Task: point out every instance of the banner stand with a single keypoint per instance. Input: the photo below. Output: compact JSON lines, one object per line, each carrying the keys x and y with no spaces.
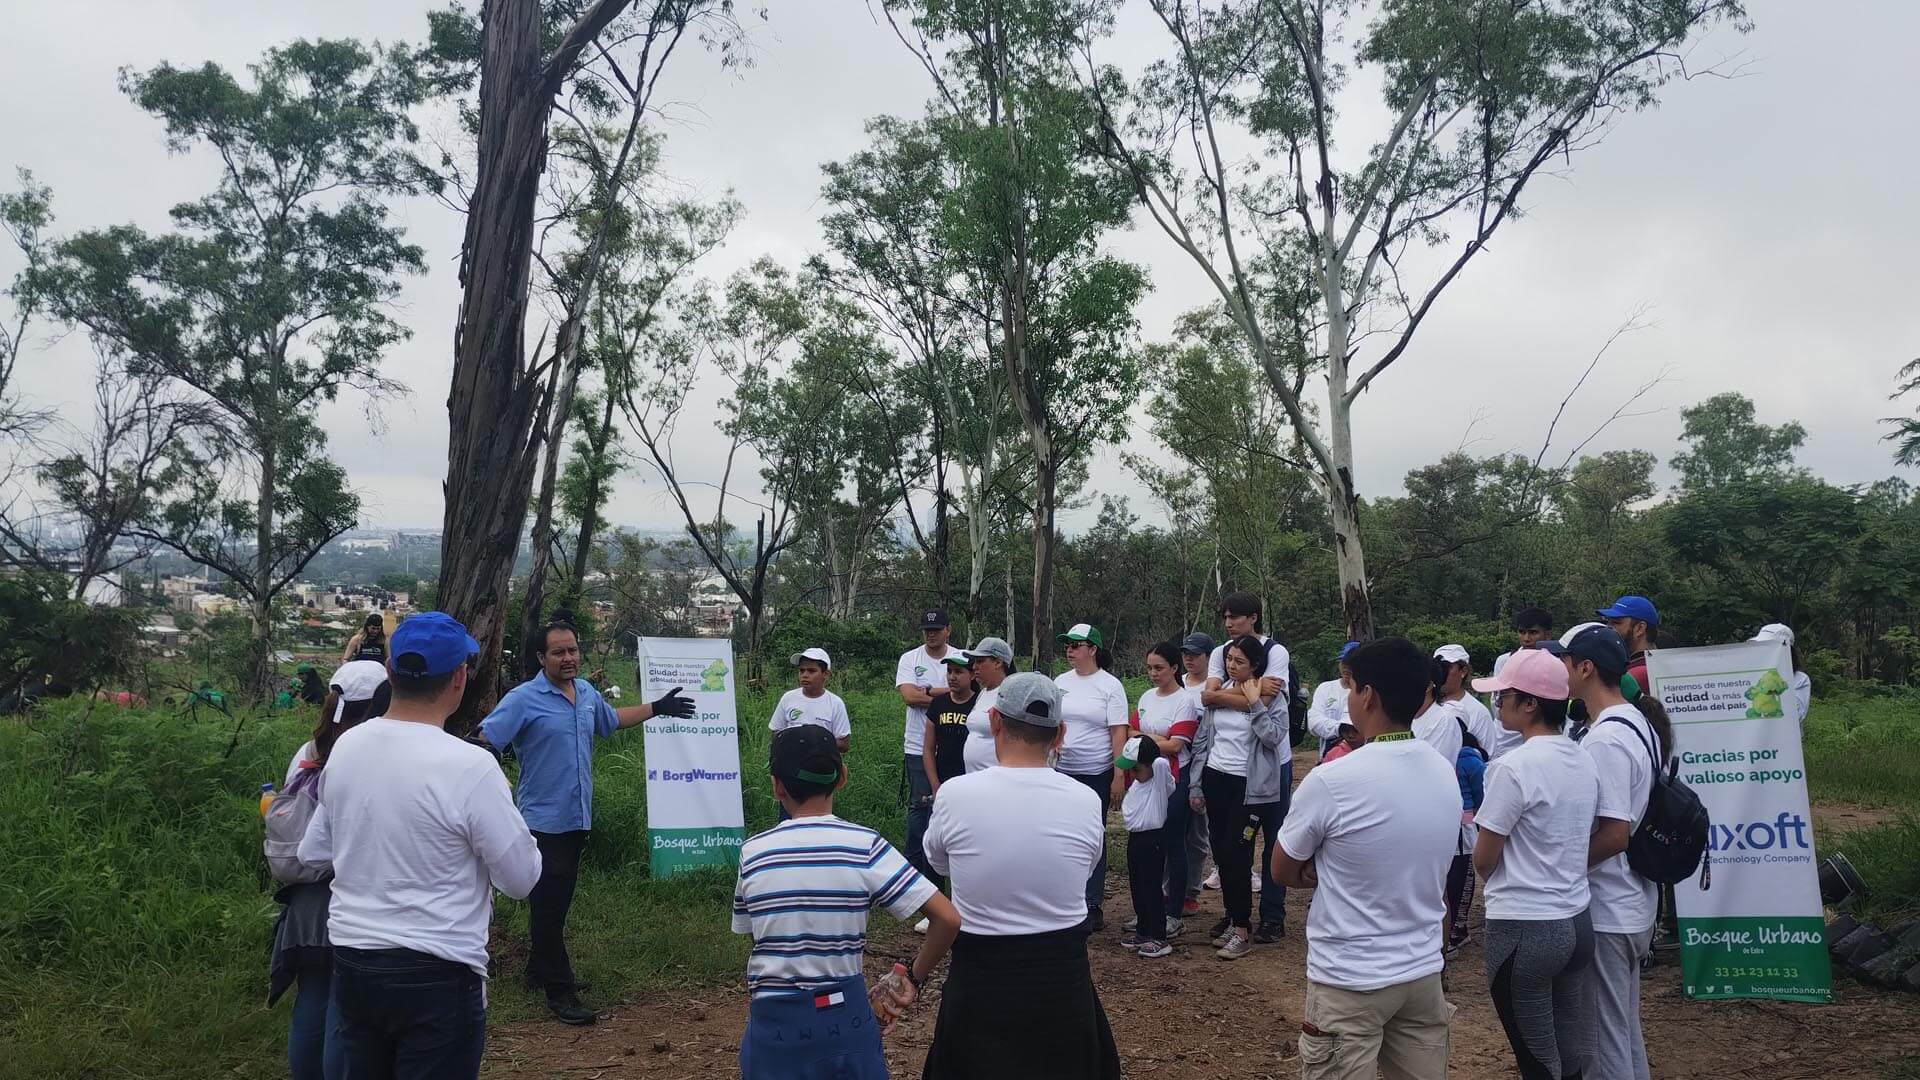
{"x":1760,"y":930}
{"x":695,"y":818}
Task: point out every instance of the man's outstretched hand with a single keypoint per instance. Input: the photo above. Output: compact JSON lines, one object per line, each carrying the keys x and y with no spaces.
{"x":674,"y":705}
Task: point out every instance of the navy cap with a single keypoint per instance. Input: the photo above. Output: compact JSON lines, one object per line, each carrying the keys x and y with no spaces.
{"x":430,"y":644}
{"x":1602,"y":646}
{"x":1198,"y":644}
{"x":1347,"y":649}
{"x":1550,"y":646}
{"x":934,"y":619}
{"x":1632,"y":607}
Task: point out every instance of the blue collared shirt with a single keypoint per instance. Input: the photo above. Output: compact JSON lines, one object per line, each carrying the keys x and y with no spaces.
{"x":553,"y":738}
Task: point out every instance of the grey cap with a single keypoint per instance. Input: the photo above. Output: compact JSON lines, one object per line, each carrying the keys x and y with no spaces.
{"x":991,"y":646}
{"x":1030,"y":697}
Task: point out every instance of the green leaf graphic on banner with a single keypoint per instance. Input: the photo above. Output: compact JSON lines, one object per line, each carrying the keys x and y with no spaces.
{"x":1765,"y":695}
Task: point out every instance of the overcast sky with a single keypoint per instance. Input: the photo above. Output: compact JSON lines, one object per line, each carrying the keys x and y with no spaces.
{"x":1765,"y":223}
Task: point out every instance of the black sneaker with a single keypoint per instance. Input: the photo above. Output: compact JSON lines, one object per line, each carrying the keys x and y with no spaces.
{"x":566,"y":1008}
{"x":1269,"y":932}
{"x":1096,"y":921}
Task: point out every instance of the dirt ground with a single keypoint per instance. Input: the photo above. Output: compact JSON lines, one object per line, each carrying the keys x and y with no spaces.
{"x":1169,"y":1023}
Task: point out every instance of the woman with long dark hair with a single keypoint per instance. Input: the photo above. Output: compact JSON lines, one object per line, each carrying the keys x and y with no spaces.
{"x":370,"y":643}
{"x":1093,"y":708}
{"x":1168,"y":714}
{"x":1241,"y":754}
{"x":302,"y":954}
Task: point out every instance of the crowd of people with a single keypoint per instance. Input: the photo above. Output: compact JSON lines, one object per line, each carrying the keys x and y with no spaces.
{"x":390,"y":839}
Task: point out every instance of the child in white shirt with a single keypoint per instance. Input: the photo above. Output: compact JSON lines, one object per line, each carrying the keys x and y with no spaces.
{"x":1144,"y":808}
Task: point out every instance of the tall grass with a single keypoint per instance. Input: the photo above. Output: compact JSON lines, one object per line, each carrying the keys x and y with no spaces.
{"x":1864,"y":748}
{"x":135,"y":908}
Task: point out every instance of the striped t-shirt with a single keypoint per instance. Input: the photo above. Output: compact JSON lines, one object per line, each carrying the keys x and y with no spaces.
{"x":805,"y":888}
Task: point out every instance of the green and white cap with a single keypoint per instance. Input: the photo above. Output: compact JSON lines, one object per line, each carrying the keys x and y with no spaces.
{"x":1082,"y":632}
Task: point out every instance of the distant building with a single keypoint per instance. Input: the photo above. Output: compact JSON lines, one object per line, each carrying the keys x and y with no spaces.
{"x":711,"y":605}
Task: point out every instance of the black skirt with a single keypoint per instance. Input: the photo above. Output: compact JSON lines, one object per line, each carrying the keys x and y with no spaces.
{"x":1021,"y":1007}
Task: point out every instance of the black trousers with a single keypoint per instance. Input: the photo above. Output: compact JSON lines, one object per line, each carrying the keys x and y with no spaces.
{"x":552,"y":897}
{"x":1102,"y":785}
{"x":1146,"y":869}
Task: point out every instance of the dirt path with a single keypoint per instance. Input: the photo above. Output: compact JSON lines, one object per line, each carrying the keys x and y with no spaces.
{"x":1178,"y":1017}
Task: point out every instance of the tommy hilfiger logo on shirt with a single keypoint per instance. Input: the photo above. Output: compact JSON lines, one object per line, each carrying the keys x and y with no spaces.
{"x":829,"y":1001}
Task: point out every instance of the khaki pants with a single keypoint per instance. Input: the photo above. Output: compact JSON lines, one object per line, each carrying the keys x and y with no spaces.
{"x":1396,"y":1032}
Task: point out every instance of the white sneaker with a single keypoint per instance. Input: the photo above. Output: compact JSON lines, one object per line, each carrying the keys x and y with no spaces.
{"x":1213,"y":880}
{"x":921,"y":926}
{"x":1152,"y":950}
{"x":1236,"y":946}
{"x":1256,"y":881}
{"x":1174,"y":926}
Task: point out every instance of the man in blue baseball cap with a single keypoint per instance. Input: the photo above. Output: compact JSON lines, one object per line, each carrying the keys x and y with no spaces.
{"x":551,"y":721}
{"x":1328,"y":713}
{"x":419,"y":829}
{"x":1635,"y":619}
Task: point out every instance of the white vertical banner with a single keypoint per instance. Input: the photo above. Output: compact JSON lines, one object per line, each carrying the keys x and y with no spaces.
{"x":694,"y":814}
{"x":1759,"y":931}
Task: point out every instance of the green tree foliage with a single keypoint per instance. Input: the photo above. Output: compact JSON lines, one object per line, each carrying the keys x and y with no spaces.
{"x":1251,"y":148}
{"x":269,"y":297}
{"x":1726,"y":445}
{"x":52,"y":644}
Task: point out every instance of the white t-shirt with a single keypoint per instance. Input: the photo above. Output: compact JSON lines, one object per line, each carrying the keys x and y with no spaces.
{"x":1622,"y":901}
{"x":1380,"y":825}
{"x":1799,"y":697}
{"x":1171,"y":716}
{"x":1277,"y":661}
{"x":926,"y":672}
{"x":979,"y":752}
{"x":1090,"y":707}
{"x":1508,"y":739}
{"x":1144,"y":807}
{"x":1481,"y":723}
{"x":804,"y":890}
{"x":1232,"y":740}
{"x":1019,"y":845}
{"x":826,"y":711}
{"x":420,"y":828}
{"x":1328,"y":711}
{"x":1541,"y":797}
{"x":1439,"y":727}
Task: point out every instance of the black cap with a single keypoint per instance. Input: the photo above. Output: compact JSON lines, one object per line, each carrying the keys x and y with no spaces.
{"x":805,"y":752}
{"x":1550,"y":646}
{"x":934,"y":619}
{"x":1602,"y":646}
{"x":1197,"y":644}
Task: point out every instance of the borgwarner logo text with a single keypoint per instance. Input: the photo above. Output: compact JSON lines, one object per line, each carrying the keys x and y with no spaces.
{"x":1783,"y":839}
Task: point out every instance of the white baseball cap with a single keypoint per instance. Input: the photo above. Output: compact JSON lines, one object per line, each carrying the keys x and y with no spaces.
{"x":1776,"y":631}
{"x":1452,"y":654}
{"x":356,"y":680}
{"x":816,"y":654}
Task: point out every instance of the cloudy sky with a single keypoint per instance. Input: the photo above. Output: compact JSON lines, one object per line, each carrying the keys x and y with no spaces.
{"x":1765,"y":225}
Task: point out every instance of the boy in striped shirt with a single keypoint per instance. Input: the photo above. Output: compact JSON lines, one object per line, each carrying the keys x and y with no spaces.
{"x":805,"y":888}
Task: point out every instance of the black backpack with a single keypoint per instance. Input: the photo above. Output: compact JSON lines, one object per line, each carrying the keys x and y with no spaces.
{"x":1671,"y":842}
{"x":1299,"y":701}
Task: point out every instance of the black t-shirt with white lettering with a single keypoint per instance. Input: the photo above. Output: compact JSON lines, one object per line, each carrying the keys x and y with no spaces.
{"x":949,"y":721}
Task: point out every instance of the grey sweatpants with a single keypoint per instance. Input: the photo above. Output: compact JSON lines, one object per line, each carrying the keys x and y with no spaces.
{"x":1537,"y":972}
{"x":1620,"y":1050}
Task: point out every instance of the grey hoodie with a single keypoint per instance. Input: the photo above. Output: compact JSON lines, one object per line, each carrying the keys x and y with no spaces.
{"x":1268,"y":755}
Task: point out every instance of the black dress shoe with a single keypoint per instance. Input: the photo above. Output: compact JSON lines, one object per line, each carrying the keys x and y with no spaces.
{"x":566,"y":1008}
{"x":1269,"y":932}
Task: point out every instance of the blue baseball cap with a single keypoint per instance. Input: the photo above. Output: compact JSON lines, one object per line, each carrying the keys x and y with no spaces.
{"x":1347,"y":649}
{"x":430,"y":644}
{"x":1198,"y":644}
{"x":1632,"y":607}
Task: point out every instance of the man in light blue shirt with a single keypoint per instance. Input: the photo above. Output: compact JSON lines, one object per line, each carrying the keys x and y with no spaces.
{"x":550,"y":721}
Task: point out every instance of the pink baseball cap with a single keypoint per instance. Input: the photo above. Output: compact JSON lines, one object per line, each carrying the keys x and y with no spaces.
{"x":1530,"y":671}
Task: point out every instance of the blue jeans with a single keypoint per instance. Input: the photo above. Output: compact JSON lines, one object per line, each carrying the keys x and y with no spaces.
{"x":313,"y":1038}
{"x":1273,"y":895}
{"x":405,"y":1015}
{"x":919,"y":812}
